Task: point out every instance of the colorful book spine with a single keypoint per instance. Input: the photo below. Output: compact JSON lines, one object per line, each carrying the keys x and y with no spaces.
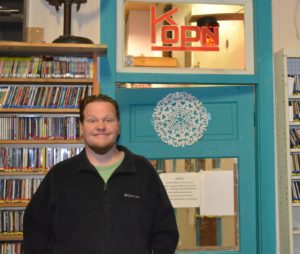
{"x":34,"y":159}
{"x":46,"y":67}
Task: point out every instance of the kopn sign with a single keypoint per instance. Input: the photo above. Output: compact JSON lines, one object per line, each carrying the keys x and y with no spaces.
{"x":203,"y":38}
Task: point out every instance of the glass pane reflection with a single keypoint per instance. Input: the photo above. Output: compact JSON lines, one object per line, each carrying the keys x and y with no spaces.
{"x":199,"y":232}
{"x":184,"y":35}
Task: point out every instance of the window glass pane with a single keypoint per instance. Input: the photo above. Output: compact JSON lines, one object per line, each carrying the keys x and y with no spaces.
{"x":193,"y":36}
{"x":206,"y":227}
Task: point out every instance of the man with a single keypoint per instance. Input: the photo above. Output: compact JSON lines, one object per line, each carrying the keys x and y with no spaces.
{"x":106,"y":200}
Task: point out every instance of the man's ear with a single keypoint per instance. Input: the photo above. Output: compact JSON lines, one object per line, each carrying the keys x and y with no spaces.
{"x":119,"y":132}
{"x":80,"y":130}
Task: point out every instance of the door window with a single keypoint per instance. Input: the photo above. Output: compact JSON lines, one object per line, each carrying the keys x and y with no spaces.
{"x":214,"y":224}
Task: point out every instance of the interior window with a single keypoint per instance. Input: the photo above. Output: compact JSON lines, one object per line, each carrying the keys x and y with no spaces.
{"x":188,"y":36}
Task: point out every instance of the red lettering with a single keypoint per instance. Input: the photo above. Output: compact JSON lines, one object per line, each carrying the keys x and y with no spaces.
{"x":175,"y":34}
{"x":185,"y":38}
{"x":164,"y":17}
{"x":208,"y":37}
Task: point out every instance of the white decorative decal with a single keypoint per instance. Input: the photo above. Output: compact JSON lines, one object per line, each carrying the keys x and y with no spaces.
{"x":180,"y":119}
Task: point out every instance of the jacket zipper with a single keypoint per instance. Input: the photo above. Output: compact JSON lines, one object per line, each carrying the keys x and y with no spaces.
{"x":105,"y":220}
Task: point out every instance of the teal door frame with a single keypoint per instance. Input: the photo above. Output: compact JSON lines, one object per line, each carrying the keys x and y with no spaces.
{"x":264,"y":117}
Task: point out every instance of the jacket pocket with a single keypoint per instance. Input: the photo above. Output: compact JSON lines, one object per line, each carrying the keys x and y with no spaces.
{"x":129,"y":228}
{"x":78,"y":229}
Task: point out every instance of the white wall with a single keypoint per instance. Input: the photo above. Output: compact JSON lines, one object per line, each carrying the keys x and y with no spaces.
{"x":139,"y":32}
{"x":286,"y":23}
{"x":85,"y":23}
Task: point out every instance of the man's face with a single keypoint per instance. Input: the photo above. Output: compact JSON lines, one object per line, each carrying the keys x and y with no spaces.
{"x":100,"y":128}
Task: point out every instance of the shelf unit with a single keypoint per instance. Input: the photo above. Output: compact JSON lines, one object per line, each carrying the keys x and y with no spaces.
{"x":287,"y":99}
{"x":20,"y":49}
{"x":12,"y":20}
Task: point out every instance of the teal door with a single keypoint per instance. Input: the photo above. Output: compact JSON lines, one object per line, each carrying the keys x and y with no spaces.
{"x":226,"y":142}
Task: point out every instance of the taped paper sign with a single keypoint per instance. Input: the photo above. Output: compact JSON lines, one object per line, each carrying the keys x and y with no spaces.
{"x":212,"y":191}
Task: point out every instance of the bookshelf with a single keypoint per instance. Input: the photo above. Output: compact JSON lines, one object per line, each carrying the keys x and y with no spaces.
{"x":287,"y":100}
{"x":38,"y":120}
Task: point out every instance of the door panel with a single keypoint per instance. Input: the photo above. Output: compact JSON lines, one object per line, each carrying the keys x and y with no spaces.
{"x":222,"y":126}
{"x":230,"y":134}
{"x":230,"y":109}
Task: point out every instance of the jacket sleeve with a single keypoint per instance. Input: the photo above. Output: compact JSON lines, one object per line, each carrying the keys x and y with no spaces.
{"x":164,"y":233}
{"x":36,"y":221}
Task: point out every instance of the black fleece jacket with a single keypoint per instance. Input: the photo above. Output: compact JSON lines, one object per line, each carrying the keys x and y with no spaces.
{"x":75,"y":212}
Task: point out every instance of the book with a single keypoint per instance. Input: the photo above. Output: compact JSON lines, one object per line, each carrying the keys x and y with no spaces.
{"x":3,"y":95}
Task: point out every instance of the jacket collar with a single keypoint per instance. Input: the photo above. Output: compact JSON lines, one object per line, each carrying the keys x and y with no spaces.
{"x":127,"y":165}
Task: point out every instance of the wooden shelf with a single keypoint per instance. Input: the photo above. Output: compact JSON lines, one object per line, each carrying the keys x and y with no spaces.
{"x":13,"y":204}
{"x":143,"y":61}
{"x":295,"y":96}
{"x":295,"y":150}
{"x":219,"y":16}
{"x":68,"y":81}
{"x":11,"y":237}
{"x":294,"y":123}
{"x":42,"y":141}
{"x":8,"y":48}
{"x":23,"y":173}
{"x":40,"y":110}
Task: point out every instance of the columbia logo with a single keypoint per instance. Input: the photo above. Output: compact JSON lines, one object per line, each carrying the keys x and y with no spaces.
{"x":127,"y":195}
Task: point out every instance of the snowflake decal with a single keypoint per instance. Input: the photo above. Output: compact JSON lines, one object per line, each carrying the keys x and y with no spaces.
{"x":180,"y":119}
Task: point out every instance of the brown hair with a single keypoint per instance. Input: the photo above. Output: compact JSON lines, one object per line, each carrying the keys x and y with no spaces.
{"x":99,"y":97}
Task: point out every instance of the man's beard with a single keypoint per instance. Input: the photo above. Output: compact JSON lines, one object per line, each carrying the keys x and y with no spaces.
{"x":101,"y":150}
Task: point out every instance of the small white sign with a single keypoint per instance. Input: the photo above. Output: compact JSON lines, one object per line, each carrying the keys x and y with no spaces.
{"x":217,"y":190}
{"x":212,"y":191}
{"x":183,"y":188}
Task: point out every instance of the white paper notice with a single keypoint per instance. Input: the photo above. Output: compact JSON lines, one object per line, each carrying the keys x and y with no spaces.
{"x":212,"y":191}
{"x":217,"y":193}
{"x":183,"y":188}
